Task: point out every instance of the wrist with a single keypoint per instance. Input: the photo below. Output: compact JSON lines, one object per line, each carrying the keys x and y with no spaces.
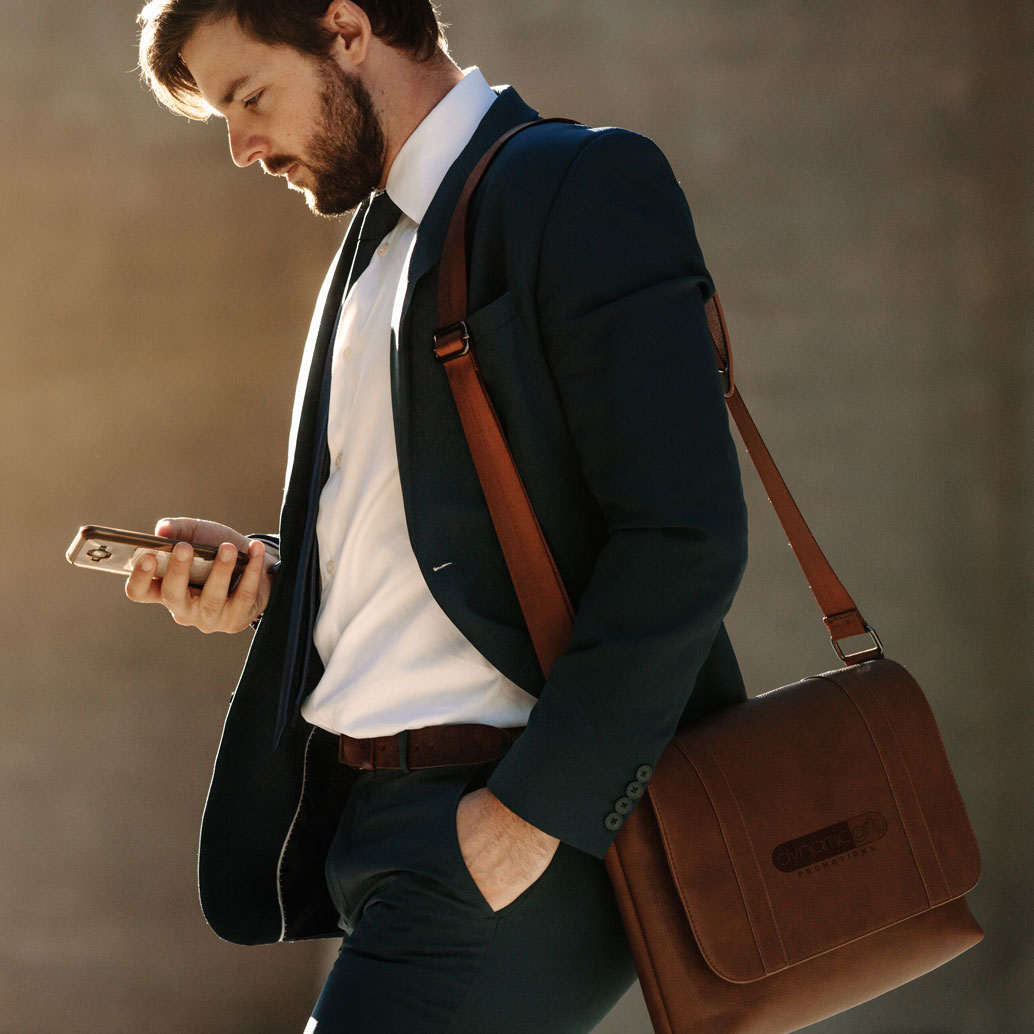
{"x":535,"y":839}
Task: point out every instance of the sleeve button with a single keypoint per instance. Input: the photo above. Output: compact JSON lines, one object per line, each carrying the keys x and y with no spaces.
{"x":643,"y":773}
{"x":634,"y":791}
{"x":614,"y":821}
{"x":622,"y":806}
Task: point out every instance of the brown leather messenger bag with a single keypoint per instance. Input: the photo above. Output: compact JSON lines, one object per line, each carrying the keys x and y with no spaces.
{"x":764,"y":883}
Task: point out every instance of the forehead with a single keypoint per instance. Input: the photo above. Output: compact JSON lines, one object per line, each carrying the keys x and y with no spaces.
{"x":223,"y":60}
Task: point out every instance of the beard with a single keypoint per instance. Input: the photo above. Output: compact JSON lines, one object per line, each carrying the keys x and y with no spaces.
{"x":347,"y":149}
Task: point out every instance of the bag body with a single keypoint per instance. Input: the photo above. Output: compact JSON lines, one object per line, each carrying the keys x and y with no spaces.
{"x":796,"y":855}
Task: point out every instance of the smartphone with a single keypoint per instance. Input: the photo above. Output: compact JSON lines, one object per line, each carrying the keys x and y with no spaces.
{"x":117,"y":551}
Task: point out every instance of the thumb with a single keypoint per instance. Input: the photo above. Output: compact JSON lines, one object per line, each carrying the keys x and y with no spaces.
{"x":182,"y":529}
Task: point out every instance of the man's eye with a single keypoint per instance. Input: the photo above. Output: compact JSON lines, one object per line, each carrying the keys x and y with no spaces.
{"x":252,"y":100}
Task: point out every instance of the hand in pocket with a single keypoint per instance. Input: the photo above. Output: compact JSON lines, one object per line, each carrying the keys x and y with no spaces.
{"x":504,"y":854}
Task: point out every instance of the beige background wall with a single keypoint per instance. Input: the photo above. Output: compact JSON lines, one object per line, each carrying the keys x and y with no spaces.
{"x":861,"y":180}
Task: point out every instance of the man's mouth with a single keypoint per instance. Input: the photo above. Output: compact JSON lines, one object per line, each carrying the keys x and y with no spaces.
{"x":282,"y":167}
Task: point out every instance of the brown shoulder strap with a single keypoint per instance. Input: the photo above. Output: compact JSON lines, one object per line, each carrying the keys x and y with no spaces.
{"x":536,"y":579}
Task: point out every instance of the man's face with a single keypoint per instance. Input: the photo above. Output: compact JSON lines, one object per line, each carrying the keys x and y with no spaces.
{"x":301,"y":116}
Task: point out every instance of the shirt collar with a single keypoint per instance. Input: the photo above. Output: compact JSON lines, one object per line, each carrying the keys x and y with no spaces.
{"x":433,"y":147}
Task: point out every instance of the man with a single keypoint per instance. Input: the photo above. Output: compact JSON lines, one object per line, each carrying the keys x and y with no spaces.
{"x":371,"y":778}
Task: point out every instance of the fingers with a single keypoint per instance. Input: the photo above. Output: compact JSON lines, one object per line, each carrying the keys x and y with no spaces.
{"x":213,"y":607}
{"x":178,"y":598}
{"x":218,"y":609}
{"x":172,"y":591}
{"x":252,"y":591}
{"x":216,"y":589}
{"x":141,"y":586}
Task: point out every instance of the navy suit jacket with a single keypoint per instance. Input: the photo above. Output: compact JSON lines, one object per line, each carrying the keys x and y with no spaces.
{"x":587,"y":291}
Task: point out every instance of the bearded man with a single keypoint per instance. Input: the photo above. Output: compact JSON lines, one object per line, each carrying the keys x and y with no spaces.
{"x":395,"y":768}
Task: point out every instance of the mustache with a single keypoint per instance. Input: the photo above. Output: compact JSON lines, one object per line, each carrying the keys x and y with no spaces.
{"x":278,"y":164}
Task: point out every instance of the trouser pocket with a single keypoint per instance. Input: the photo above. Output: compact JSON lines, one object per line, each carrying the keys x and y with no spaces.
{"x":397,"y":840}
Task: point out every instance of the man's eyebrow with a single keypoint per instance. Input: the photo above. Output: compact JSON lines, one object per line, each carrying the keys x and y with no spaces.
{"x":231,"y":90}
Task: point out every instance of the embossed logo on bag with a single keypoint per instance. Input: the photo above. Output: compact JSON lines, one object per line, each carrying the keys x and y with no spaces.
{"x":854,"y":834}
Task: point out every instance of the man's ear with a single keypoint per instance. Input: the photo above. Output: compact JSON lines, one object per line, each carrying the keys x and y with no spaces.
{"x":351,"y":27}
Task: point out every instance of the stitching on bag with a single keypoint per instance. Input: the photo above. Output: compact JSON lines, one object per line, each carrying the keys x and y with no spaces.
{"x":922,"y":814}
{"x":832,"y":678}
{"x":682,"y":890}
{"x":874,"y":700}
{"x":877,"y":927}
{"x":754,"y":856}
{"x":952,"y":785}
{"x":905,"y":825}
{"x":678,"y":883}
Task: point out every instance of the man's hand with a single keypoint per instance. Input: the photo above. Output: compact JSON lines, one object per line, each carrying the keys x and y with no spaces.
{"x":505,"y":854}
{"x":212,"y":608}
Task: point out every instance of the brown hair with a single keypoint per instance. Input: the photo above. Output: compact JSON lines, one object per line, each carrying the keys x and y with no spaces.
{"x":166,"y":25}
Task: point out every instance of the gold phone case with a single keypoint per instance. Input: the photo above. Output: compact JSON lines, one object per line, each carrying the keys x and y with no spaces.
{"x":116,"y":551}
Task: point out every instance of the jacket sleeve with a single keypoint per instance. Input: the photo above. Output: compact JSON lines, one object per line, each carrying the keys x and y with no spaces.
{"x":621,"y":292}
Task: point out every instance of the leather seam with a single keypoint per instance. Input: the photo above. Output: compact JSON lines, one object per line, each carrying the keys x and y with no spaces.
{"x":670,"y":853}
{"x":754,"y":855}
{"x":915,"y":794}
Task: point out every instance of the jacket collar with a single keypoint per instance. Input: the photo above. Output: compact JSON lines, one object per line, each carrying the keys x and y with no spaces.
{"x":508,"y":111}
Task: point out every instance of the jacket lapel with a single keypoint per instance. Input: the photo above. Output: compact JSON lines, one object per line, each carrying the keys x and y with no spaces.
{"x":302,"y":445}
{"x":507,"y":111}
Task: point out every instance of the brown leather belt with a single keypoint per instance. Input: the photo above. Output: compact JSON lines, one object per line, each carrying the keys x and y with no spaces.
{"x":437,"y":746}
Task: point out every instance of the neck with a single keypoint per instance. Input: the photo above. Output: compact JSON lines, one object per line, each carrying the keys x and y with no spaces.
{"x":408,"y":94}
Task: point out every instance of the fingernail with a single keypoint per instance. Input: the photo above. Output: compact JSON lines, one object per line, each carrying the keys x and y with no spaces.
{"x":148,"y":564}
{"x":227,"y":552}
{"x":255,"y":548}
{"x":182,"y":551}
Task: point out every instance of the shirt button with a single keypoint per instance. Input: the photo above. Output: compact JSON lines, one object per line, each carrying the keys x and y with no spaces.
{"x":382,"y":250}
{"x":347,"y":353}
{"x":330,"y":567}
{"x":622,"y":805}
{"x":613,"y":821}
{"x":337,"y":461}
{"x":643,"y":773}
{"x":634,"y":790}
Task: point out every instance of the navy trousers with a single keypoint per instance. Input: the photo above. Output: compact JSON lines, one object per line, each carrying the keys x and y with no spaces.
{"x":425,"y":954}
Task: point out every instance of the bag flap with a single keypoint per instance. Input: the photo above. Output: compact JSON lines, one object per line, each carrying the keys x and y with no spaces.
{"x":809,"y":817}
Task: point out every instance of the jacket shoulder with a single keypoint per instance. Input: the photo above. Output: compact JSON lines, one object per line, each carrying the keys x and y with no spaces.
{"x":556,"y":160}
{"x":556,"y":146}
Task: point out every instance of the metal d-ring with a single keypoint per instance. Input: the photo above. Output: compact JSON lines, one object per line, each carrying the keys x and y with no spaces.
{"x":872,"y":654}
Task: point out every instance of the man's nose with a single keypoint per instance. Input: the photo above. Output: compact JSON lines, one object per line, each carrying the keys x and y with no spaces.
{"x":245,"y":147}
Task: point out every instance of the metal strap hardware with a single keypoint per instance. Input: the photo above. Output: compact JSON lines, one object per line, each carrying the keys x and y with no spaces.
{"x":452,"y":342}
{"x":875,"y":652}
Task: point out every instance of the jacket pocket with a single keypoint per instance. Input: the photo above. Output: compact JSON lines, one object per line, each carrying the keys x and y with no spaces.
{"x":489,"y":318}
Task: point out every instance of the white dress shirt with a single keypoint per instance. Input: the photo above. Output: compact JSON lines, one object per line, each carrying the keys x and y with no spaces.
{"x":392,"y":658}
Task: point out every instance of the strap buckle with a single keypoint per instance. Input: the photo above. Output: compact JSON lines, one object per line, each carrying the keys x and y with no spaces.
{"x":451,"y":342}
{"x":873,"y":653}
